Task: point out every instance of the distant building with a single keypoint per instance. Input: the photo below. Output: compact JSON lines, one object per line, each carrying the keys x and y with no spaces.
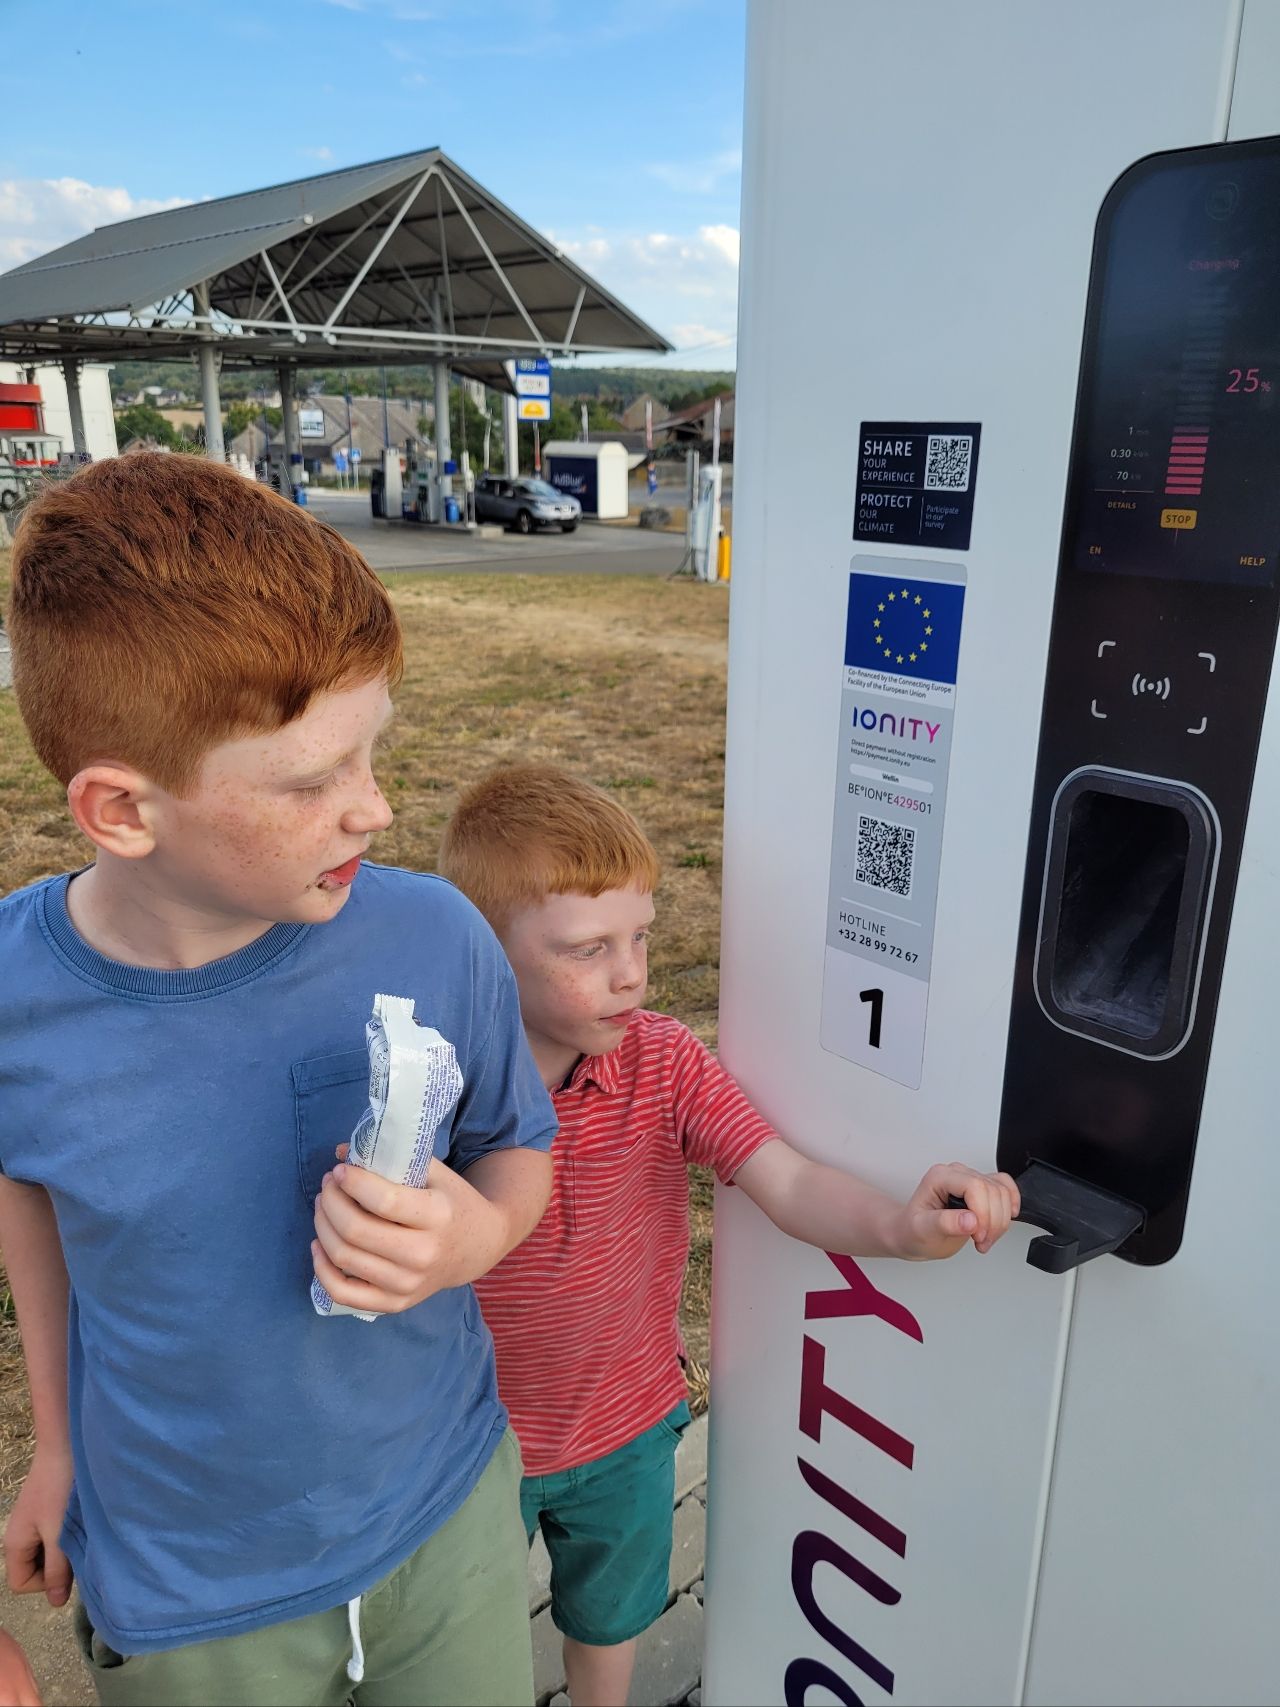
{"x":632,"y":416}
{"x":95,"y":402}
{"x":692,"y":428}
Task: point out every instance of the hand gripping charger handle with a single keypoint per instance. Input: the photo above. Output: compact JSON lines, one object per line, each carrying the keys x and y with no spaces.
{"x":1081,"y":1221}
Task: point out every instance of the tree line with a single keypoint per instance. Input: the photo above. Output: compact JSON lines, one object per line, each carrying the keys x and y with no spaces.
{"x":612,"y":387}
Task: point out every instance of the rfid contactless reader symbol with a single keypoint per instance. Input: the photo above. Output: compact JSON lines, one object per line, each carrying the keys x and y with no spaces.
{"x":1160,"y":686}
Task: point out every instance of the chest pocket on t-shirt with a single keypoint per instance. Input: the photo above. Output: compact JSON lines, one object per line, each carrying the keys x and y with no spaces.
{"x":604,"y":1179}
{"x":330,"y":1093}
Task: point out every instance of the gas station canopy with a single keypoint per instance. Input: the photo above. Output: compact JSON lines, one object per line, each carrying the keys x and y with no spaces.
{"x":404,"y":260}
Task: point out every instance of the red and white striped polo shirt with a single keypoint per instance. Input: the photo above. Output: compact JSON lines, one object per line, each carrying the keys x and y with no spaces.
{"x":584,"y":1312}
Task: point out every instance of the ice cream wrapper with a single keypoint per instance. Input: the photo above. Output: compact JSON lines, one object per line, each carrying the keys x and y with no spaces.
{"x":414,"y":1083}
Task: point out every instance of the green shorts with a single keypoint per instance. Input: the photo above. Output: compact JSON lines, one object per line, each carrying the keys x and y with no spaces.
{"x":607,"y":1526}
{"x":448,"y":1628}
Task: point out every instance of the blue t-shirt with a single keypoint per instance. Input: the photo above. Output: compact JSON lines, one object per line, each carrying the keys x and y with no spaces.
{"x":240,"y":1460}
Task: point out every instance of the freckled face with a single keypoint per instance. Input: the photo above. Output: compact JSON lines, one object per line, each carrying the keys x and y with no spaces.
{"x":582,"y":965}
{"x":277,"y":824}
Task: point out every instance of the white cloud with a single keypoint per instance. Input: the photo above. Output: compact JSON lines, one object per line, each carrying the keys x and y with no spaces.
{"x":724,"y":238}
{"x":401,"y":11}
{"x":697,"y":177}
{"x":322,"y":153}
{"x":39,"y":214}
{"x":588,"y":251}
{"x":685,"y":285}
{"x":691,"y":335}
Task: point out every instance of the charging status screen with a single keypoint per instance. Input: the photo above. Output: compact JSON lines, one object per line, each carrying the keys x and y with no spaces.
{"x":1178,"y":447}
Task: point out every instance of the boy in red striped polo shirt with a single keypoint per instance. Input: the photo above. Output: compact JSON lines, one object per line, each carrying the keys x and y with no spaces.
{"x":584,"y":1312}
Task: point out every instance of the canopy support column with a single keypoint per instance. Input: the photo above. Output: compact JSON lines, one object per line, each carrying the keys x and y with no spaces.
{"x":444,"y":449}
{"x":214,"y":448}
{"x":510,"y":439}
{"x":79,"y":439}
{"x":286,"y":374}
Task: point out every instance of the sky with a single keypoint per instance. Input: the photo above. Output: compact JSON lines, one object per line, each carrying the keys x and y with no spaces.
{"x":615,"y":128}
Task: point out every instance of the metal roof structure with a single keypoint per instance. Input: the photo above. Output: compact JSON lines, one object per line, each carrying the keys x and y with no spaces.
{"x":403,"y":260}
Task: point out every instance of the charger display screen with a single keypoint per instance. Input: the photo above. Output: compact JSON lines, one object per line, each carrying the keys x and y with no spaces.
{"x":1178,"y":440}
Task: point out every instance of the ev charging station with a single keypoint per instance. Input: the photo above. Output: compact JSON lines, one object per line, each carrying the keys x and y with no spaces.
{"x":1001,"y":832}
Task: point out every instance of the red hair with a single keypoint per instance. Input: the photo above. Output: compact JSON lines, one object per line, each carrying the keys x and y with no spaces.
{"x":528,"y":831}
{"x":162,"y":604}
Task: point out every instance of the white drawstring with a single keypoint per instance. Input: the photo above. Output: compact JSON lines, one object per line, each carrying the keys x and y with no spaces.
{"x":355,"y":1665}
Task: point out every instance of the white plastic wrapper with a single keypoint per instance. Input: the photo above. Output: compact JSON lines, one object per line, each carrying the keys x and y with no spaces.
{"x":414,"y":1082}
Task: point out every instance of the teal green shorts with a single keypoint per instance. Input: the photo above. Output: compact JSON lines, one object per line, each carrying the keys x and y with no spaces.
{"x":607,"y":1526}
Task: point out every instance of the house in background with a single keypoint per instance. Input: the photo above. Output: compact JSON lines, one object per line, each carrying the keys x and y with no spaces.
{"x":691,"y":428}
{"x":632,"y":416}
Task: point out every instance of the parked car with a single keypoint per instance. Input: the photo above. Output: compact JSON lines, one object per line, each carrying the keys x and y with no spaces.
{"x":525,"y":504}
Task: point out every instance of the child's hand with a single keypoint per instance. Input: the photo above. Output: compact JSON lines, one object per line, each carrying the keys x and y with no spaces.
{"x":34,"y":1562}
{"x":386,"y":1247}
{"x":18,"y":1688}
{"x":930,"y":1229}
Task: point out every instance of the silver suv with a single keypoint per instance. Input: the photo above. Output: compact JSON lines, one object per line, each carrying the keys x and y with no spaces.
{"x":525,"y":504}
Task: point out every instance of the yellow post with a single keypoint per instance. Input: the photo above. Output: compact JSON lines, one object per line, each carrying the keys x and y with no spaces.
{"x":722,"y":558}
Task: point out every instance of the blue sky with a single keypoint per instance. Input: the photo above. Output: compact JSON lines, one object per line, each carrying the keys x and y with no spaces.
{"x":619,"y":136}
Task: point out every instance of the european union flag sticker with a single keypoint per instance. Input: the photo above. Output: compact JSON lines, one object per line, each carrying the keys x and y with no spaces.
{"x":904,"y":626}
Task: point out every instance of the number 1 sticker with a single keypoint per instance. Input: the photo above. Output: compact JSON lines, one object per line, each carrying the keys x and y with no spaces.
{"x":882,"y":1027}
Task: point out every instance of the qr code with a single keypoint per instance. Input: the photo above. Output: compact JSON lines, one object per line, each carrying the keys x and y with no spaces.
{"x":947,"y":462}
{"x":885,"y":855}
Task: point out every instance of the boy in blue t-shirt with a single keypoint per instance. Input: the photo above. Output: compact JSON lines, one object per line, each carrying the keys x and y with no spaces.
{"x":261,"y":1505}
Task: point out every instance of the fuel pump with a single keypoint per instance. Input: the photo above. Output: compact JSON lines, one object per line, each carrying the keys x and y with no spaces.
{"x":422,"y":488}
{"x":392,"y":484}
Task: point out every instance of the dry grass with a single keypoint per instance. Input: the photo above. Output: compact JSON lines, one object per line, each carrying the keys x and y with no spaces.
{"x":622,"y":680}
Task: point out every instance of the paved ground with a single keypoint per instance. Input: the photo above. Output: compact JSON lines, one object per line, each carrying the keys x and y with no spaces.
{"x":668,"y":1668}
{"x":595,"y":548}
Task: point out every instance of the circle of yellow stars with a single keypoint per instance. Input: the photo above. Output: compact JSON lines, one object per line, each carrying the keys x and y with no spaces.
{"x":909,"y":603}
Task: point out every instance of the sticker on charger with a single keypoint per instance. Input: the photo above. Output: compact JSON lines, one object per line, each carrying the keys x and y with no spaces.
{"x":916,"y":483}
{"x":897,"y":705}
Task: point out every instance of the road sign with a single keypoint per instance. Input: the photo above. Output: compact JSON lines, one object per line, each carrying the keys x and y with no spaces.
{"x":340,"y":461}
{"x":355,"y":453}
{"x":533,"y":376}
{"x":311,"y":423}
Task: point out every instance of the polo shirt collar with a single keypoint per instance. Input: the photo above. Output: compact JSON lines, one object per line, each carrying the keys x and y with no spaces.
{"x":600,"y":1070}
